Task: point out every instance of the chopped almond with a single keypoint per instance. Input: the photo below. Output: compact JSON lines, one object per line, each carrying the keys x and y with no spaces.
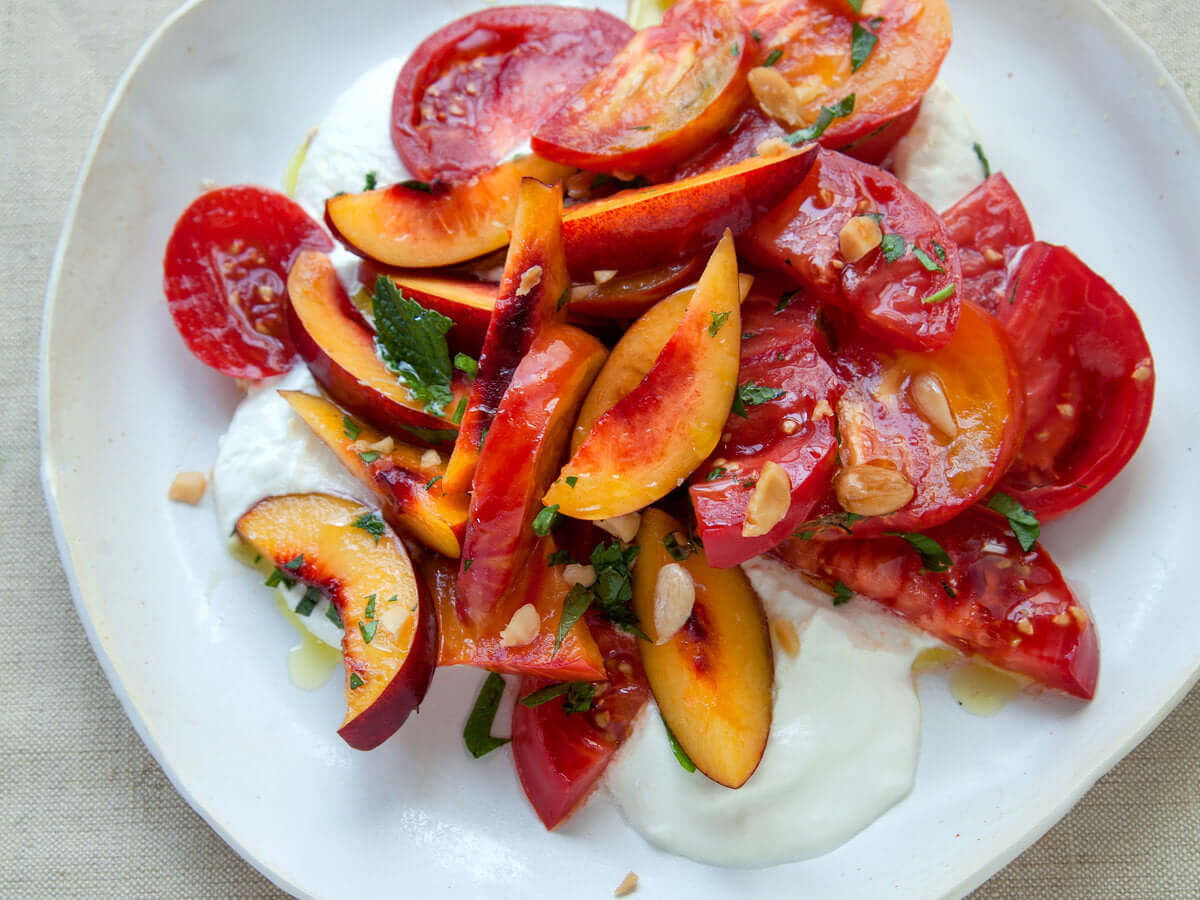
{"x":188,"y":487}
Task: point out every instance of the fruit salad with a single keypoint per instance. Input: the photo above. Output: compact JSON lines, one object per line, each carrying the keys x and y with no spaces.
{"x":699,"y":384}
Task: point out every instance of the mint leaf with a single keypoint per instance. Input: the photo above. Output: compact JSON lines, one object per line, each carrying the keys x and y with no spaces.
{"x":412,"y":343}
{"x":1024,"y":524}
{"x":371,"y":524}
{"x":862,"y":42}
{"x":773,"y":57}
{"x":312,"y":597}
{"x":466,"y":365}
{"x":434,"y":435}
{"x":545,"y":695}
{"x":613,"y":588}
{"x":681,"y":756}
{"x":841,"y":593}
{"x":825,"y":118}
{"x":350,"y":428}
{"x":893,"y":247}
{"x":925,"y":260}
{"x":355,"y":681}
{"x":575,"y":605}
{"x":751,"y":394}
{"x":933,"y":557}
{"x":718,"y":320}
{"x":544,"y":521}
{"x":983,"y":160}
{"x":580,"y":695}
{"x":370,"y":182}
{"x":477,"y":733}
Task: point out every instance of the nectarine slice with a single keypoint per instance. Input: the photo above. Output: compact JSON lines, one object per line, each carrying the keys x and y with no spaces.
{"x":712,"y":679}
{"x":436,"y":225}
{"x":340,"y":352}
{"x":524,"y":448}
{"x":533,"y":292}
{"x":389,"y":644}
{"x":405,"y":481}
{"x":651,"y":440}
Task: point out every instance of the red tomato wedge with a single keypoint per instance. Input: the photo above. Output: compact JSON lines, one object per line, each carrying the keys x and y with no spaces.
{"x":225,"y":277}
{"x":911,"y":300}
{"x":473,"y":91}
{"x":672,"y":89}
{"x":988,"y":224}
{"x":1089,"y":379}
{"x":559,"y":755}
{"x":780,"y":361}
{"x":1009,"y":606}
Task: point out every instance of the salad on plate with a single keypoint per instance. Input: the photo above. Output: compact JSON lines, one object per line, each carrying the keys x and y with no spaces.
{"x":702,"y":379}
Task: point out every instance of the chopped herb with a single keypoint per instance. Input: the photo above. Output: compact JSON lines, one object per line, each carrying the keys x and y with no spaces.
{"x":681,"y":756}
{"x":467,"y":563}
{"x":577,"y":601}
{"x":862,"y":42}
{"x":678,"y":551}
{"x":368,"y":630}
{"x":279,"y":577}
{"x":987,"y":166}
{"x":412,"y":343}
{"x":841,"y":521}
{"x":938,"y":250}
{"x":369,"y":612}
{"x":825,"y":118}
{"x":460,"y":411}
{"x":877,"y":216}
{"x":545,"y":695}
{"x":746,"y":335}
{"x":580,"y":695}
{"x":940,"y":296}
{"x":563,"y":298}
{"x":350,"y":428}
{"x":312,"y":597}
{"x":751,"y":394}
{"x":639,"y":128}
{"x":773,"y":57}
{"x":950,"y":592}
{"x":756,"y":34}
{"x":432,"y":481}
{"x":477,"y":733}
{"x":718,"y":320}
{"x":257,"y":558}
{"x":926,"y":261}
{"x":293,"y":565}
{"x":1012,"y":296}
{"x":933,"y":557}
{"x":571,"y":480}
{"x":876,"y":22}
{"x":483,"y":436}
{"x":370,"y":181}
{"x":369,"y":457}
{"x":613,"y":587}
{"x":1024,"y":524}
{"x":749,"y":482}
{"x":715,"y":474}
{"x":841,"y":593}
{"x":784,"y":299}
{"x":779,"y":356}
{"x":332,"y":614}
{"x":466,"y":365}
{"x":393,"y":598}
{"x":432,"y":435}
{"x":893,"y":247}
{"x":414,"y":185}
{"x":544,"y":521}
{"x":735,"y":50}
{"x":371,"y":524}
{"x":560,"y":558}
{"x":856,"y":5}
{"x":355,"y":681}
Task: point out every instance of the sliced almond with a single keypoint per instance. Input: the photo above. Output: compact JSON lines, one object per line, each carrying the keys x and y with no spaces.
{"x":770,"y":502}
{"x":674,"y":596}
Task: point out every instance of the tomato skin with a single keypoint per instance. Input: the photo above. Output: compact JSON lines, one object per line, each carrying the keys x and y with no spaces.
{"x":559,"y":756}
{"x":1089,"y":379}
{"x":474,"y":90}
{"x":225,"y":277}
{"x":1009,"y":606}
{"x":782,"y":354}
{"x":638,"y":115}
{"x":989,"y":224}
{"x":799,"y":238}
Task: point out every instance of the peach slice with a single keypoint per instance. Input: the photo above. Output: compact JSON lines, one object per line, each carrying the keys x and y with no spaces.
{"x":436,"y":225}
{"x":650,"y":226}
{"x":524,"y":448}
{"x":340,"y":352}
{"x":479,"y":643}
{"x":390,"y":642}
{"x":626,"y":295}
{"x":712,"y":679}
{"x":533,"y":292}
{"x":651,"y":440}
{"x":404,"y":481}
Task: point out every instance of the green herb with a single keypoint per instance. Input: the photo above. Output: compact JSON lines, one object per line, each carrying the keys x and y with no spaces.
{"x":613,"y":588}
{"x":544,"y":521}
{"x":412,"y":343}
{"x":933,"y":557}
{"x":559,"y":558}
{"x":350,"y":428}
{"x":779,"y":356}
{"x":756,"y":34}
{"x":862,"y":42}
{"x":311,"y":598}
{"x":369,"y":457}
{"x":941,"y":296}
{"x":563,"y":298}
{"x":575,"y":604}
{"x":773,"y":57}
{"x":279,"y":577}
{"x":571,"y":480}
{"x":355,"y":681}
{"x":370,"y":181}
{"x":1012,"y":296}
{"x":876,"y":22}
{"x":784,"y":299}
{"x":257,"y":558}
{"x":856,"y":5}
{"x":545,"y":695}
{"x":678,"y":551}
{"x":413,"y":185}
{"x":926,"y":261}
{"x":293,"y":565}
{"x":369,"y":612}
{"x":467,"y":563}
{"x":734,"y":50}
{"x":715,"y":474}
{"x":841,"y":593}
{"x":477,"y":733}
{"x":950,"y":592}
{"x":432,"y":435}
{"x":432,"y":481}
{"x":639,"y":128}
{"x":332,"y":614}
{"x":825,"y":118}
{"x":371,"y":524}
{"x":893,"y":247}
{"x":466,"y":365}
{"x":938,"y":250}
{"x":840,"y":520}
{"x":459,"y":411}
{"x":751,"y":394}
{"x":1024,"y":524}
{"x":368,"y":630}
{"x":681,"y":756}
{"x":483,"y":436}
{"x":987,"y":166}
{"x":580,"y":695}
{"x":718,"y":319}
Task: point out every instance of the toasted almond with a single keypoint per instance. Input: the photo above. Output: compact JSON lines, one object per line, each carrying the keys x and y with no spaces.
{"x":624,"y":528}
{"x":384,"y":445}
{"x":603,"y":276}
{"x":858,"y":237}
{"x":431,"y":459}
{"x":871,"y":490}
{"x":627,"y":886}
{"x":992,"y":256}
{"x":775,"y":96}
{"x":928,"y":395}
{"x":770,"y":502}
{"x":772,"y":147}
{"x":674,"y":596}
{"x":188,"y":487}
{"x":530,"y":279}
{"x":575,"y":574}
{"x":785,"y":636}
{"x":522,"y":628}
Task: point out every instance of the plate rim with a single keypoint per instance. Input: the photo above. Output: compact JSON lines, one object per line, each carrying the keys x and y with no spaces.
{"x":1117,"y":29}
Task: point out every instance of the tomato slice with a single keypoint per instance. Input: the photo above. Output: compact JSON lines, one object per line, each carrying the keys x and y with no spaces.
{"x":1089,"y":379}
{"x":559,"y":755}
{"x":672,"y":89}
{"x":1010,"y":606}
{"x":779,"y":353}
{"x":912,"y":300}
{"x":473,"y":91}
{"x":989,"y":224}
{"x":225,"y":277}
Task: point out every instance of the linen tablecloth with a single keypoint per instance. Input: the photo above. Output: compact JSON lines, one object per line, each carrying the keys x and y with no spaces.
{"x":84,"y":809}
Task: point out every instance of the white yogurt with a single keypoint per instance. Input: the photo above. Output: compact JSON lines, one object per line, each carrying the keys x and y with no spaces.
{"x":937,"y":157}
{"x":843,"y":746}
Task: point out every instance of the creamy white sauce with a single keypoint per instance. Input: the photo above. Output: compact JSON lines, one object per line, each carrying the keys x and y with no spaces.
{"x":937,"y":157}
{"x":843,"y":746}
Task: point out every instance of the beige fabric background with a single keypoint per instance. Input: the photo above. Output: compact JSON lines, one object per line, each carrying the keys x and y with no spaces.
{"x":84,"y":810}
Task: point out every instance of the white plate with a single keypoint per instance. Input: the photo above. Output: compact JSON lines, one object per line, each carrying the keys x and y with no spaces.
{"x":1095,"y":137}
